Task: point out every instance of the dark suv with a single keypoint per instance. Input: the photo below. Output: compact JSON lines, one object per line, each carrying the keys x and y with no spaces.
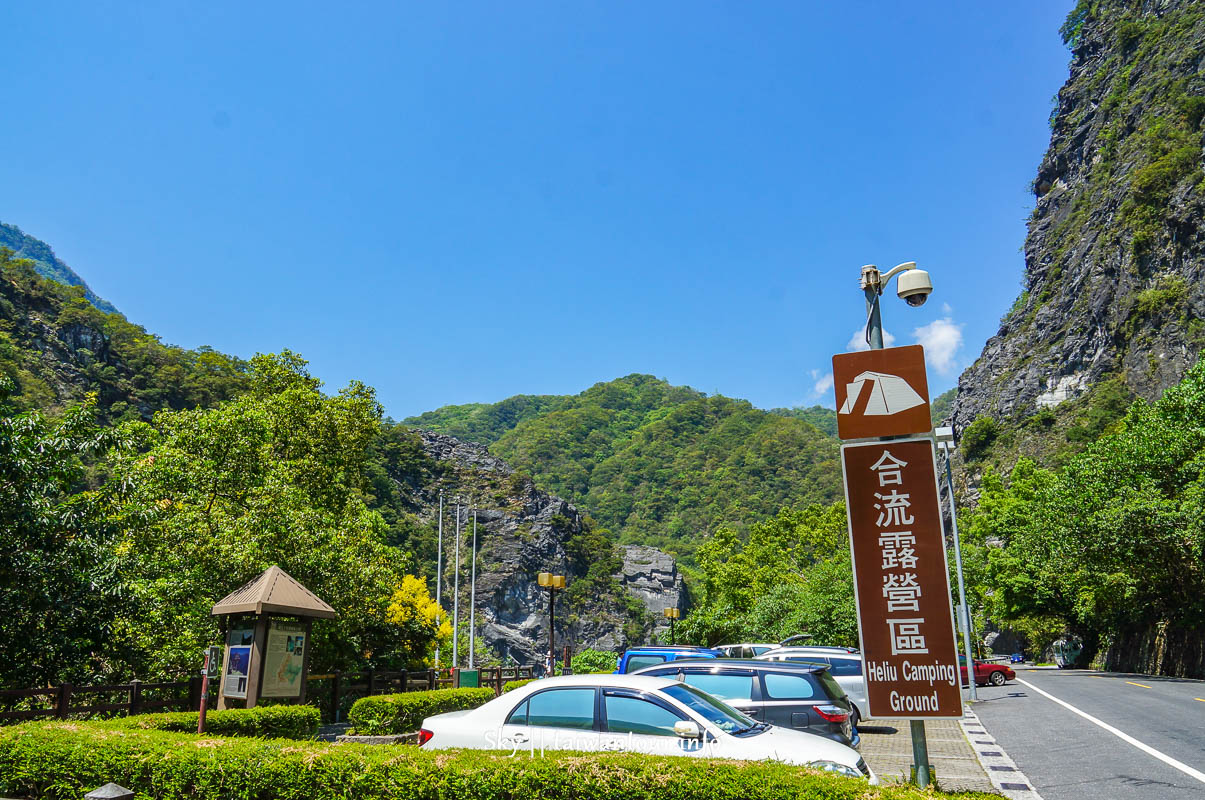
{"x":791,"y":695}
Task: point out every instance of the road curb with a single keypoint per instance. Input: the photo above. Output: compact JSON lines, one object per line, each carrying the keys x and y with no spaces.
{"x":1001,"y":770}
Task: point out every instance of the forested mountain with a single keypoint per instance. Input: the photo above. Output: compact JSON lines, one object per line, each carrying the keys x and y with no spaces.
{"x":56,"y":347}
{"x":657,"y":464}
{"x":1115,"y":254}
{"x":46,"y":263}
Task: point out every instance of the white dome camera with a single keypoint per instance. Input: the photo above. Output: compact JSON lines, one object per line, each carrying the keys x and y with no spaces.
{"x":914,"y":287}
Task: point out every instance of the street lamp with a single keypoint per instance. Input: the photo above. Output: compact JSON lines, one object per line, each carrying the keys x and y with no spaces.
{"x":551,"y":583}
{"x":672,"y":614}
{"x":913,"y":287}
{"x":945,"y":440}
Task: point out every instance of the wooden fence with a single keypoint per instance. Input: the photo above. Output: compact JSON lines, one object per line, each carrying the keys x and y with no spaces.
{"x":333,"y":693}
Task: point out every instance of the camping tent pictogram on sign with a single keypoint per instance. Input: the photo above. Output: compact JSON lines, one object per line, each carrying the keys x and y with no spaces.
{"x":888,"y":394}
{"x":881,"y":393}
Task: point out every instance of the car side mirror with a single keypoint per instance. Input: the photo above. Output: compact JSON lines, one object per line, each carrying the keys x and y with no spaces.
{"x":685,"y":729}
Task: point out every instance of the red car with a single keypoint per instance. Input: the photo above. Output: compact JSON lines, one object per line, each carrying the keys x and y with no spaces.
{"x":995,"y":674}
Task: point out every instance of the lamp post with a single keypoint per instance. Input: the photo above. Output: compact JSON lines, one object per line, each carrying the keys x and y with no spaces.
{"x":913,"y":287}
{"x":473,"y":597}
{"x":672,"y":614}
{"x":439,"y":561}
{"x":945,"y":440}
{"x":456,"y":596}
{"x":551,"y":583}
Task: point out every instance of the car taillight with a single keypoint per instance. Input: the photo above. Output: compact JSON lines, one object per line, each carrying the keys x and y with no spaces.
{"x":424,"y":736}
{"x":832,"y":713}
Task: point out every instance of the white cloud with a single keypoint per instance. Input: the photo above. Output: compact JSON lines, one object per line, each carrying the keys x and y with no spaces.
{"x":946,"y":309}
{"x":941,"y":340}
{"x":823,"y":382}
{"x":857,"y":342}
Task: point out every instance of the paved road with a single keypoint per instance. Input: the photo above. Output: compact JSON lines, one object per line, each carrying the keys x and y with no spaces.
{"x":1066,"y":757}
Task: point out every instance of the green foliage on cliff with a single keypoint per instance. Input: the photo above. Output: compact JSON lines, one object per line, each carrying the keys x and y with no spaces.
{"x":1115,"y":540}
{"x":664,"y":465}
{"x":485,"y":423}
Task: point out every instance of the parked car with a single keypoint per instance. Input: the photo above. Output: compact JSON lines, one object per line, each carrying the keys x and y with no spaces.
{"x":631,"y":713}
{"x":845,"y":664}
{"x":804,"y":697}
{"x":640,"y":657}
{"x":995,"y":674}
{"x":745,"y":650}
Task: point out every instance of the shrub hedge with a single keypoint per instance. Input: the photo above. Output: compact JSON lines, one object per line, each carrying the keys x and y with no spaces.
{"x":269,"y":722}
{"x":64,"y":760}
{"x":390,"y":714}
{"x":512,"y":685}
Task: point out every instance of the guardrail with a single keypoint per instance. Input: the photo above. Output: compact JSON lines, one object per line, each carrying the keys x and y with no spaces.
{"x":65,"y":700}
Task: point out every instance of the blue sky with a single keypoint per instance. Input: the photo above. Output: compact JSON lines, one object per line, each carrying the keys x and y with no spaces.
{"x":461,"y":203}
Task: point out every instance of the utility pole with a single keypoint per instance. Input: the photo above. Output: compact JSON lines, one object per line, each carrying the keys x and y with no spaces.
{"x":456,"y":596}
{"x":945,"y":440}
{"x":439,"y":562}
{"x":473,"y":596}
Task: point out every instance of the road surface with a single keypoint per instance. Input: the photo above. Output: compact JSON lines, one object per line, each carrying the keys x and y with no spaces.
{"x":1159,"y":754}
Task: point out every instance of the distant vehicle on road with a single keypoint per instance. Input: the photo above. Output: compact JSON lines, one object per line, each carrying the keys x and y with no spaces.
{"x":640,"y":657}
{"x":846,"y":668}
{"x":800,"y":696}
{"x":748,"y":650}
{"x":634,"y":714}
{"x":995,"y":674}
{"x":1017,"y":658}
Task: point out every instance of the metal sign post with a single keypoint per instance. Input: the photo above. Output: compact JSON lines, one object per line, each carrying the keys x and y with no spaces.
{"x":901,"y":581}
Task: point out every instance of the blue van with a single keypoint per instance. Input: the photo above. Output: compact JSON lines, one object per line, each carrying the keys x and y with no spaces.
{"x":641,"y":657}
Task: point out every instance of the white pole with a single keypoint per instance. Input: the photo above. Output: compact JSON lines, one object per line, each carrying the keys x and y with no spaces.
{"x":439,"y":562}
{"x":473,"y":595}
{"x":962,"y":595}
{"x":456,"y":597}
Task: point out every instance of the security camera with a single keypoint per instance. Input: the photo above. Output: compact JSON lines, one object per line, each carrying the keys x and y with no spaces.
{"x":914,"y":287}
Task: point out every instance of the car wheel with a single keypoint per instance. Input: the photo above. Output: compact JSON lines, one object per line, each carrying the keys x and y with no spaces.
{"x":854,"y":718}
{"x":998,"y":678}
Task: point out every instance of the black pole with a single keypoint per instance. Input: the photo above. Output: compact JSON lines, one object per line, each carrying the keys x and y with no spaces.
{"x":551,"y":643}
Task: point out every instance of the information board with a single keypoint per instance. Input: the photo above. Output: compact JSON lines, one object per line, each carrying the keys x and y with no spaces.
{"x":284,"y":659}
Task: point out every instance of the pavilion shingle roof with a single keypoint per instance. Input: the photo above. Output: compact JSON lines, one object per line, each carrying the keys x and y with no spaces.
{"x":277,"y":592}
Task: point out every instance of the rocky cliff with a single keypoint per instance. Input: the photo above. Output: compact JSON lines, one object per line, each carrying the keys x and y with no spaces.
{"x":1115,"y":254}
{"x":614,"y":598}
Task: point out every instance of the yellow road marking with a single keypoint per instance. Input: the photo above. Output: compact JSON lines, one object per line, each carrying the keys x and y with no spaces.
{"x":1143,"y":685}
{"x":1202,"y":699}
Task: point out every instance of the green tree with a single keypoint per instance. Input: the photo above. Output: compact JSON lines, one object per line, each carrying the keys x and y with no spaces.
{"x":215,"y":496}
{"x":56,"y":577}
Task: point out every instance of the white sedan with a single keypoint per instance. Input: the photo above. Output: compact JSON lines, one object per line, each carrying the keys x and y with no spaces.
{"x":631,"y":714}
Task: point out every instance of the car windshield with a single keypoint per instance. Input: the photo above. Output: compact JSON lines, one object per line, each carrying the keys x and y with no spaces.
{"x":723,"y":716}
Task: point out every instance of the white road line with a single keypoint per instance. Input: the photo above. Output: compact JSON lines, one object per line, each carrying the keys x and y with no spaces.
{"x":1125,"y":737}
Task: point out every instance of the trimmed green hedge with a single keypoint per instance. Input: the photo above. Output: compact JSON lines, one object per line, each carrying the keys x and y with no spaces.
{"x":390,"y":714}
{"x":64,"y":760}
{"x":512,"y":685}
{"x":269,"y":722}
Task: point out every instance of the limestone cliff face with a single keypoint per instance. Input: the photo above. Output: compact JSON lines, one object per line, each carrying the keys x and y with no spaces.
{"x":1115,"y":254}
{"x":521,"y":531}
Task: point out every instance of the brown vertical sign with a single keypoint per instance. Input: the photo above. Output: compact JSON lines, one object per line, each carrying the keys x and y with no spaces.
{"x":905,"y":618}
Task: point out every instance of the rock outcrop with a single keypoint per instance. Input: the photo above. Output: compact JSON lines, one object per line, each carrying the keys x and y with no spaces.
{"x":522,"y":531}
{"x":1115,"y":254}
